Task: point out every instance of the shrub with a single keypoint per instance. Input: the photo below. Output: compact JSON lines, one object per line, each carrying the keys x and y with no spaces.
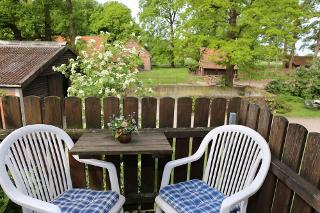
{"x":191,"y":64}
{"x":305,"y":82}
{"x":277,"y":86}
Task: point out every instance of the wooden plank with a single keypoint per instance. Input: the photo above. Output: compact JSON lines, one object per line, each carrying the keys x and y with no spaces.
{"x":73,"y":113}
{"x":1,"y":125}
{"x":293,"y":149}
{"x":303,"y":188}
{"x":93,"y":120}
{"x":52,"y":111}
{"x":130,"y":107}
{"x":244,"y":105}
{"x":201,"y":116}
{"x":276,"y":143}
{"x":264,"y":125}
{"x":252,"y":116}
{"x":184,"y":110}
{"x":234,"y":106}
{"x":166,"y":118}
{"x":11,"y":112}
{"x":309,"y":171}
{"x":111,"y":108}
{"x":218,"y":112}
{"x":148,"y":120}
{"x":32,"y":110}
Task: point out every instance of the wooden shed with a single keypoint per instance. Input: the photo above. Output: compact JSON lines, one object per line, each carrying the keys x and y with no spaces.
{"x":26,"y":68}
{"x":209,"y":63}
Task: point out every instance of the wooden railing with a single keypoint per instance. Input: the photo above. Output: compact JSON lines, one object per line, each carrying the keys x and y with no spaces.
{"x":291,"y":185}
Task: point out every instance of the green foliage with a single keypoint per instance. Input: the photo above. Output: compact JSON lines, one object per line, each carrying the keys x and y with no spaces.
{"x":305,"y":82}
{"x":116,"y":19}
{"x":123,"y":126}
{"x":191,"y":64}
{"x":2,"y":93}
{"x":109,"y":71}
{"x":277,"y":86}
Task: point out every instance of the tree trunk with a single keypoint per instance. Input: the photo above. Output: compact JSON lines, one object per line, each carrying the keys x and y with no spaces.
{"x":15,"y":30}
{"x":230,"y":75}
{"x":47,"y":21}
{"x":72,"y":25}
{"x":232,"y":35}
{"x":285,"y":54}
{"x":293,"y":48}
{"x":317,"y":47}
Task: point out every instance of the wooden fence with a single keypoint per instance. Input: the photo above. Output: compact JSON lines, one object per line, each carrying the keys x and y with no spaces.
{"x":291,"y":185}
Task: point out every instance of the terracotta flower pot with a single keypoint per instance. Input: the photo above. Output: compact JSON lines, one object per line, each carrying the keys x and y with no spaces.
{"x":124,"y":138}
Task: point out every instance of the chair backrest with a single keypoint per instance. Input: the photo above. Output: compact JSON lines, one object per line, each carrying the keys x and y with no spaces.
{"x":236,"y":156}
{"x":36,"y":158}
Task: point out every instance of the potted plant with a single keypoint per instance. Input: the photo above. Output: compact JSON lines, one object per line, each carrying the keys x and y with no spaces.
{"x":122,"y":128}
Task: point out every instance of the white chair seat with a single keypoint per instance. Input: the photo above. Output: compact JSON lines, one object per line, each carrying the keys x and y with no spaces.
{"x":86,"y":201}
{"x":193,"y":196}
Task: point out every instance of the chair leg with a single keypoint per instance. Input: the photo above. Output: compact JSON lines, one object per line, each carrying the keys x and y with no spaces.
{"x":158,"y":210}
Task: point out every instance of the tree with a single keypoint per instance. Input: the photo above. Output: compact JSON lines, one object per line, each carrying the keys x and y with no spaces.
{"x":244,"y":31}
{"x":114,"y":18}
{"x":161,"y":18}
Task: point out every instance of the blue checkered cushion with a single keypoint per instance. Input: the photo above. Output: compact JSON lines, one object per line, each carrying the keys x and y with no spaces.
{"x":86,"y":201}
{"x":193,"y":196}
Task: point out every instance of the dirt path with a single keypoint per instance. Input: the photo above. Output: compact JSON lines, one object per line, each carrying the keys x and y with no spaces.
{"x":312,"y":124}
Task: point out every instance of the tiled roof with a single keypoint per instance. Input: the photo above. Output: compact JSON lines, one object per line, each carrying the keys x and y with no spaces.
{"x":210,"y":59}
{"x":21,"y":61}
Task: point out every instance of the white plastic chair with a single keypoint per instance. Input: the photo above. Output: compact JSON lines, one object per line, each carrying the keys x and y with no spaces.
{"x":237,"y":165}
{"x":36,"y":157}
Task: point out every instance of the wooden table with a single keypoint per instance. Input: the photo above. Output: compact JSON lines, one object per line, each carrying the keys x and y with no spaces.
{"x":103,"y":143}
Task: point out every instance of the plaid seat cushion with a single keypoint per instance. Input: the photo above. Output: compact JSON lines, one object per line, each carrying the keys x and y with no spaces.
{"x":193,"y":196}
{"x":86,"y":201}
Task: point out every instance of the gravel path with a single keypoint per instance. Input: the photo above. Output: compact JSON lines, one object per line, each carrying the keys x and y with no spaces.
{"x":312,"y":124}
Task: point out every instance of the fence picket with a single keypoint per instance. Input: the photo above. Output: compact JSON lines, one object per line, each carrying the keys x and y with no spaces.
{"x":292,"y":153}
{"x":32,"y":110}
{"x":244,"y":105}
{"x":252,"y":116}
{"x":93,"y":121}
{"x":130,"y":107}
{"x":184,"y":110}
{"x":166,"y":117}
{"x":148,"y":120}
{"x":73,"y":113}
{"x":201,"y":116}
{"x":11,"y":112}
{"x":111,"y":107}
{"x":52,"y":111}
{"x":218,"y":112}
{"x":309,"y":170}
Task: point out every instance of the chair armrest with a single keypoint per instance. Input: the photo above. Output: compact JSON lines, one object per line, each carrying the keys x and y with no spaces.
{"x":107,"y":165}
{"x":172,"y":164}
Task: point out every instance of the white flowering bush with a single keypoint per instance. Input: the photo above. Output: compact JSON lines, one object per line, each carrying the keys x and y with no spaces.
{"x":110,"y":70}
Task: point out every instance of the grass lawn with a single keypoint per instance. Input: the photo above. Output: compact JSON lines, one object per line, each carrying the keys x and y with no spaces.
{"x":298,"y":108}
{"x":262,"y":71}
{"x":168,"y":76}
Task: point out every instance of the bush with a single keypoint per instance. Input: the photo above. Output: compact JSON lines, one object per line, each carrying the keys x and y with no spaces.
{"x":191,"y":64}
{"x":305,"y":82}
{"x":277,"y":86}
